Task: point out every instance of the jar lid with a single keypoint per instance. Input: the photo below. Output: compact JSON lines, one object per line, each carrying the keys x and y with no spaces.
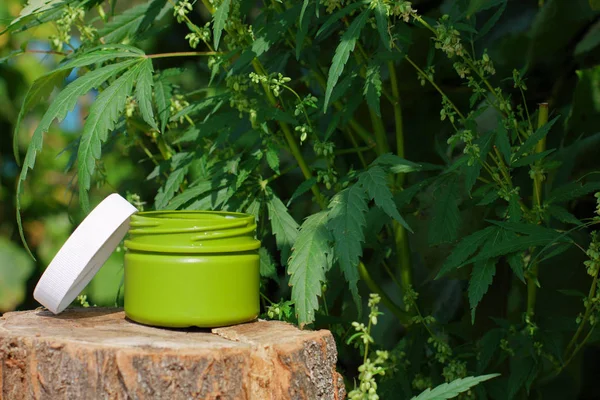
{"x":82,"y":255}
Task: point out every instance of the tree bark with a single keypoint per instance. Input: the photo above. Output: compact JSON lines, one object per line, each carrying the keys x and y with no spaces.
{"x":96,"y":353}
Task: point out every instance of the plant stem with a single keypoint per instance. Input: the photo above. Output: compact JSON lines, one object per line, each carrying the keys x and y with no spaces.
{"x":424,"y":75}
{"x":184,"y":54}
{"x":400,"y":236}
{"x":537,"y":202}
{"x":381,"y":145}
{"x":402,"y":316}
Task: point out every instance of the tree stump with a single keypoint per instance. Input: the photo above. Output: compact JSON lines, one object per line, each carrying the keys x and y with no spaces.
{"x":96,"y":353}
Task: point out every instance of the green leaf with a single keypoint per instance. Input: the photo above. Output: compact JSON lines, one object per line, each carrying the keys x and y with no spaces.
{"x":397,"y":165}
{"x":103,"y":115}
{"x":171,"y":186}
{"x":382,"y":23}
{"x":446,"y":216}
{"x":254,"y":209}
{"x":335,"y":17}
{"x":514,"y":208}
{"x":190,"y":193}
{"x":43,"y":86}
{"x":162,"y":94}
{"x":372,"y":90}
{"x":347,"y":211}
{"x":520,"y":370}
{"x":481,"y":279}
{"x":489,"y":343}
{"x":466,"y":248}
{"x":303,"y":188}
{"x":34,"y":7}
{"x":590,"y":41}
{"x":303,"y":23}
{"x":219,"y":18}
{"x":454,"y":388}
{"x":127,"y":26}
{"x":538,"y":135}
{"x":283,"y":226}
{"x":572,"y":191}
{"x":515,"y":261}
{"x":342,"y":53}
{"x":489,"y":24}
{"x":267,"y":266}
{"x":375,"y":182}
{"x":308,"y":264}
{"x":273,"y":158}
{"x":531,"y":158}
{"x":63,"y":103}
{"x":516,"y":243}
{"x":502,"y":142}
{"x":563,"y":215}
{"x":143,"y":92}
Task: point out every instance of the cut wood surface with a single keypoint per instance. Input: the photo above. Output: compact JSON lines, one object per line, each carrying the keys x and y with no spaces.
{"x":96,"y":353}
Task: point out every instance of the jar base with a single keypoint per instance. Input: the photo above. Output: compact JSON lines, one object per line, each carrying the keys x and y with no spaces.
{"x":190,"y":322}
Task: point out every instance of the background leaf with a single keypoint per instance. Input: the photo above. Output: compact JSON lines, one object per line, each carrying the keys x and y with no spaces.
{"x":283,"y":225}
{"x":308,"y":264}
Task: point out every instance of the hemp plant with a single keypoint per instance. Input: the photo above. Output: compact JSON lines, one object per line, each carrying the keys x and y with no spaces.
{"x":296,"y":112}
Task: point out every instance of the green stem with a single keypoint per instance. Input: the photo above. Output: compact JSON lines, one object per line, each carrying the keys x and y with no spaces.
{"x":537,"y":201}
{"x":291,"y":142}
{"x":402,"y":316}
{"x":400,"y":236}
{"x":184,"y":54}
{"x":381,"y":145}
{"x":424,"y":75}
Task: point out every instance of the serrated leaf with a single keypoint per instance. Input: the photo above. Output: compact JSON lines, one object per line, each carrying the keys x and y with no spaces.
{"x":162,"y":95}
{"x":481,"y":279}
{"x":563,"y":215}
{"x":514,"y":209}
{"x":143,"y":92}
{"x":503,"y":142}
{"x":531,"y":158}
{"x":572,"y":191}
{"x":454,"y":388}
{"x":382,"y":23}
{"x":303,"y":23}
{"x":372,"y":90}
{"x":520,"y":370}
{"x":535,"y":137}
{"x":254,"y":209}
{"x":103,"y":115}
{"x":342,"y":53}
{"x":335,"y":17}
{"x":489,"y":343}
{"x":489,"y":198}
{"x":375,"y":182}
{"x":301,"y":189}
{"x":347,"y":211}
{"x":397,"y":165}
{"x":446,"y":216}
{"x":64,"y":102}
{"x":515,"y":261}
{"x":42,"y":87}
{"x":128,"y":25}
{"x":219,"y":18}
{"x":489,"y":24}
{"x":308,"y":264}
{"x":34,"y":7}
{"x":283,"y":226}
{"x":465,"y":248}
{"x":273,"y":159}
{"x":171,"y":186}
{"x":190,"y":193}
{"x":267,"y":266}
{"x":516,"y":243}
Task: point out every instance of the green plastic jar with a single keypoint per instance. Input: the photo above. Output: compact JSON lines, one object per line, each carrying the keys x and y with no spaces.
{"x":191,"y":268}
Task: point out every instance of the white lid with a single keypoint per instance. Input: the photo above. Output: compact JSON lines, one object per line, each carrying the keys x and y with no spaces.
{"x":82,"y":255}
